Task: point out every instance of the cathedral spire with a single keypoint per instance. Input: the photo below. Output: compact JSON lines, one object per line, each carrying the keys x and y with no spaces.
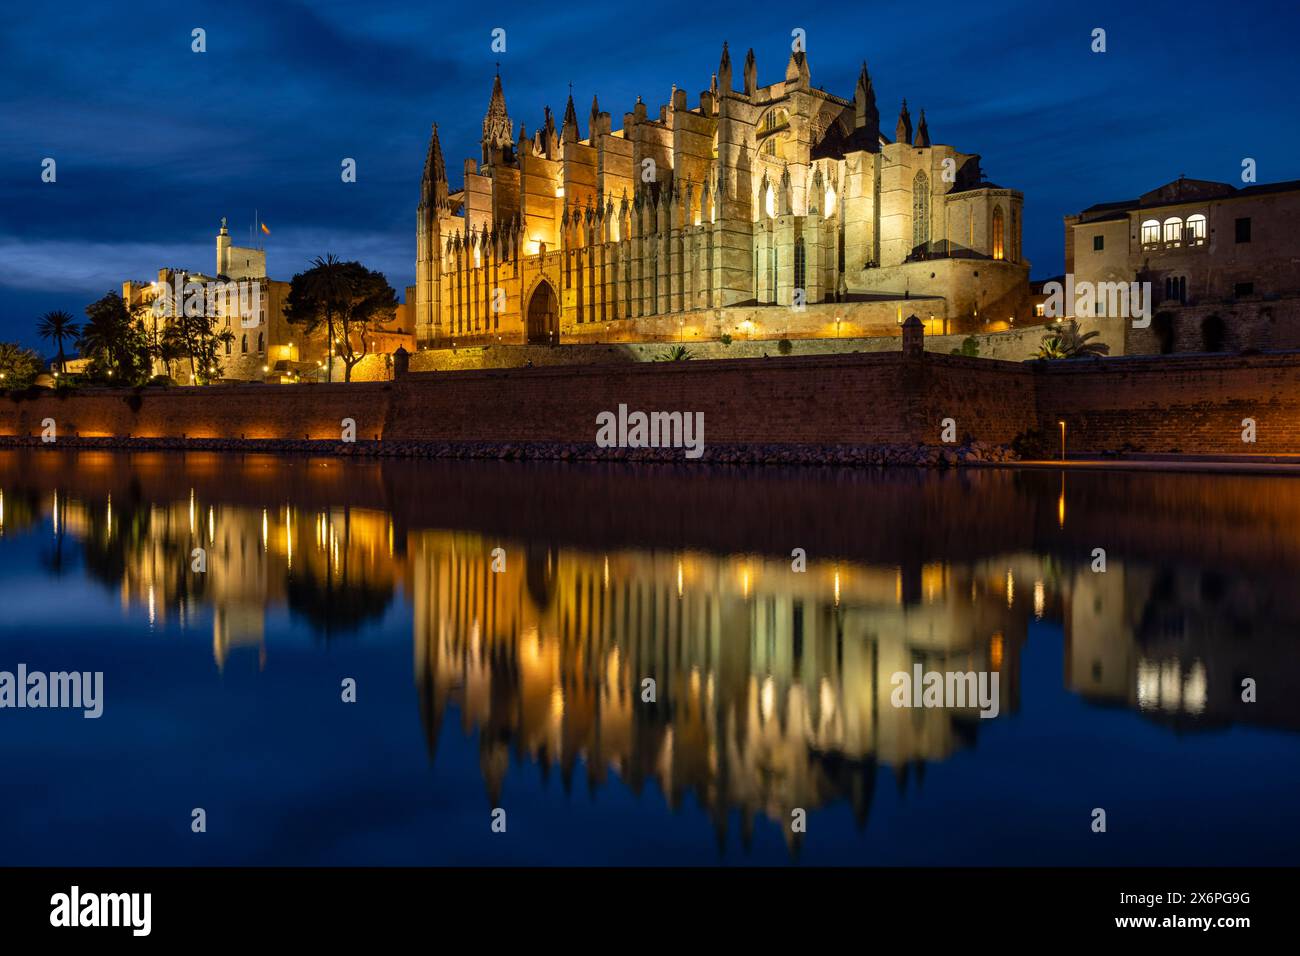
{"x":724,"y":71}
{"x":498,"y":130}
{"x":569,"y":130}
{"x":866,"y":115}
{"x":922,"y":133}
{"x":903,"y":132}
{"x":751,"y":73}
{"x":796,"y":71}
{"x":433,"y":185}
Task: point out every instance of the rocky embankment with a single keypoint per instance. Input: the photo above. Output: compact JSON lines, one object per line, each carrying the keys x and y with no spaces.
{"x":975,"y":453}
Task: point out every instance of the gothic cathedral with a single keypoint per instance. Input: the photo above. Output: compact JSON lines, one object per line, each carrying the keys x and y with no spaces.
{"x":781,"y":207}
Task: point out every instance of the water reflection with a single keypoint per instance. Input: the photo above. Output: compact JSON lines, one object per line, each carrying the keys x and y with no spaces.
{"x":772,"y":685}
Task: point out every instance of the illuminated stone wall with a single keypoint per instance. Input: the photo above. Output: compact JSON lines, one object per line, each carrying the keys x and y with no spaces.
{"x":1155,"y":405}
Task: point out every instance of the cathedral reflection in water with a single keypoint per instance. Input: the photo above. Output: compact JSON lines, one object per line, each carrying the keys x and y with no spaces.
{"x":772,"y":685}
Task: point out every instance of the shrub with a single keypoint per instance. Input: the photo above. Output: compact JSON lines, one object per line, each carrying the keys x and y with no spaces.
{"x":785,"y":347}
{"x":970,"y":347}
{"x":1036,"y":444}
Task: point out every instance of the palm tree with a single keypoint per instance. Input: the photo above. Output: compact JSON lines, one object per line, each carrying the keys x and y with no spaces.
{"x":330,"y":285}
{"x":99,"y":337}
{"x":678,"y":353}
{"x":55,"y":327}
{"x":1064,"y":341}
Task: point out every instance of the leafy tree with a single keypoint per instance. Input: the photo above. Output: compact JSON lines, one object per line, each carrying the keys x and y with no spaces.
{"x":171,"y":348}
{"x":678,"y":353}
{"x":1063,"y":340}
{"x":199,"y":339}
{"x":18,"y":366}
{"x":58,"y":327}
{"x":348,"y":299}
{"x":970,"y":347}
{"x":115,"y":342}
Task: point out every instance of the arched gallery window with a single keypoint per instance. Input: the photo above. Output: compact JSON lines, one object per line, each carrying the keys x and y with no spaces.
{"x":920,"y":212}
{"x":998,"y":234}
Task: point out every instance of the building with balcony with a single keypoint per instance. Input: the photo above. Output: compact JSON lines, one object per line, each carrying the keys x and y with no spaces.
{"x":1223,"y":263}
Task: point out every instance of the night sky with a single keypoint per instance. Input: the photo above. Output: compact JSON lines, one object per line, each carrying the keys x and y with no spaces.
{"x":155,"y":143}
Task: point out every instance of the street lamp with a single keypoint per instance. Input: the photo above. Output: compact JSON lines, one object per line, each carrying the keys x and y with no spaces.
{"x":1062,"y":424}
{"x":838,"y":320}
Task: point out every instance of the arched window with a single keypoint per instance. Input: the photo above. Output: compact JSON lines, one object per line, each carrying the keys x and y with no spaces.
{"x":998,"y":237}
{"x":800,"y":268}
{"x":1194,"y":231}
{"x":920,"y":213}
{"x":1173,"y":231}
{"x":261,"y":342}
{"x":227,"y":346}
{"x":1151,"y":232}
{"x":774,"y":119}
{"x":243,"y":345}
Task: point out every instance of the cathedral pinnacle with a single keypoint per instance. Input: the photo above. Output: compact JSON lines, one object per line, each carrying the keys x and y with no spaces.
{"x":498,"y":130}
{"x":433,"y":185}
{"x":866,"y":115}
{"x":569,"y":130}
{"x":922,"y":133}
{"x":903,"y":132}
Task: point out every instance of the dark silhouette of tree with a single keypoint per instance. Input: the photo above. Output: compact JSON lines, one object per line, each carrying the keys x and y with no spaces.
{"x":115,"y":342}
{"x":58,"y":327}
{"x":348,"y":299}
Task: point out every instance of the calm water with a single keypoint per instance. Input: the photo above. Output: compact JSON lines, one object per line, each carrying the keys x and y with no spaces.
{"x":521,"y":689}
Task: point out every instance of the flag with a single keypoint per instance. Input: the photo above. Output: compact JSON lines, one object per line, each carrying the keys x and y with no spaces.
{"x":265,"y":230}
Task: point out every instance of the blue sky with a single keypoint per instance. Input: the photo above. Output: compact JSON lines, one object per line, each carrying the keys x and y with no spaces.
{"x":155,"y":143}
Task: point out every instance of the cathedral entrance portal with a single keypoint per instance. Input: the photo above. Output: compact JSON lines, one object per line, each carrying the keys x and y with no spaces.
{"x":543,"y":316}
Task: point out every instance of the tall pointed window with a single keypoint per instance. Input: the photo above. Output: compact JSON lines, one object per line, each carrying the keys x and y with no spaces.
{"x":800,"y":268}
{"x":999,"y":239}
{"x":920,"y":213}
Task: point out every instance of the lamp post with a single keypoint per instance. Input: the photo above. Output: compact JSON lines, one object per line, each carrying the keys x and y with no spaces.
{"x":838,"y":320}
{"x":1062,"y":424}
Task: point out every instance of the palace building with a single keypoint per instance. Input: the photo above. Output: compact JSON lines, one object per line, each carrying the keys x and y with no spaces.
{"x":1221,"y":261}
{"x":770,"y":211}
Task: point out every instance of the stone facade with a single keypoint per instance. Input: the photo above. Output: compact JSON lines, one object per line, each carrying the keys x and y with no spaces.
{"x":1223,"y":263}
{"x":266,"y":347}
{"x":775,"y":196}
